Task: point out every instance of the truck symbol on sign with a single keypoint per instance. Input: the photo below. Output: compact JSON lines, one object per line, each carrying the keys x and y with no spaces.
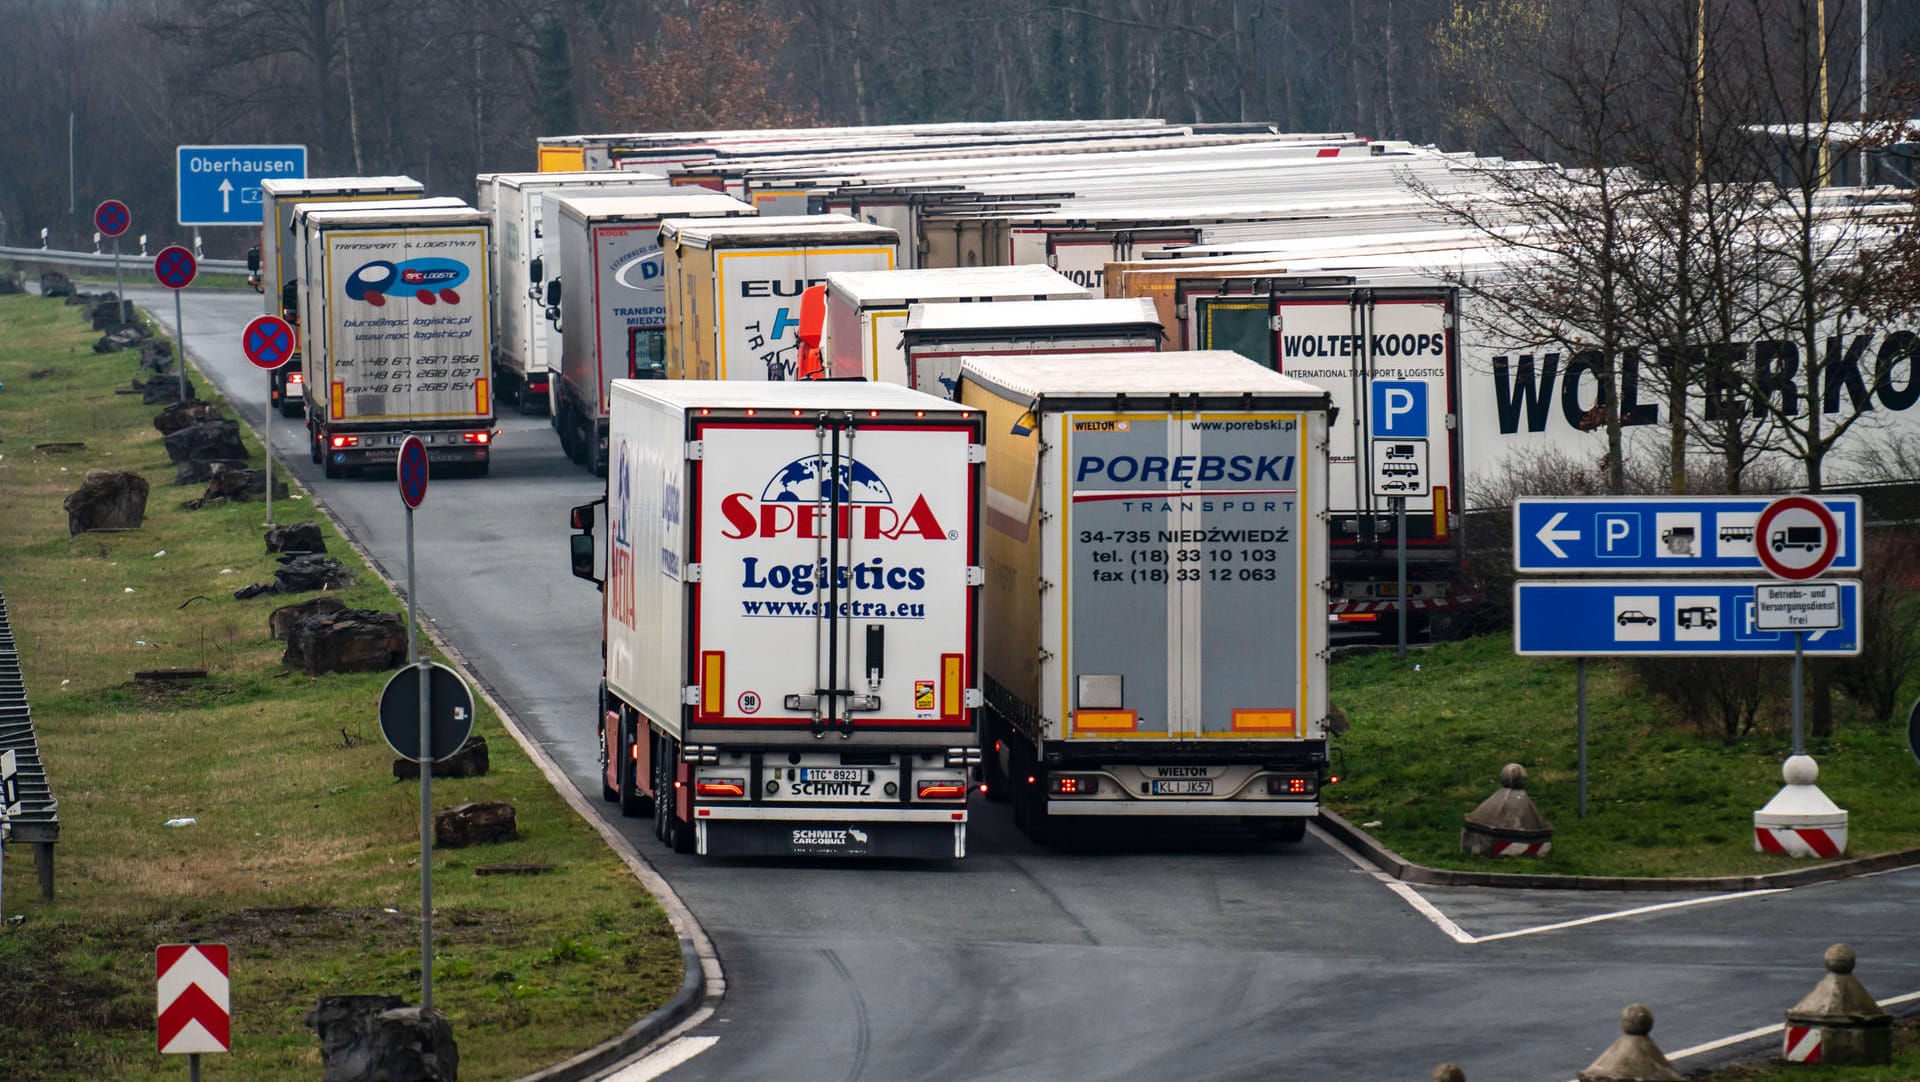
{"x":1679,"y":540}
{"x":1807,"y":538}
{"x":1400,"y":450}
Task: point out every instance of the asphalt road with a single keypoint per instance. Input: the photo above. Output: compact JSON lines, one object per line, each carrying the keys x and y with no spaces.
{"x":1163,"y":954}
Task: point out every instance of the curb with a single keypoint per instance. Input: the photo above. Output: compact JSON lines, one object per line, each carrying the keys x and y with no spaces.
{"x":1406,"y":871}
{"x":704,"y":980}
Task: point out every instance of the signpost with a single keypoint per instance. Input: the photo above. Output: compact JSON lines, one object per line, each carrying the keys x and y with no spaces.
{"x":268,"y":343}
{"x":175,"y":267}
{"x":112,"y":218}
{"x":220,"y":185}
{"x":410,"y":471}
{"x":1398,"y":437}
{"x":1662,"y":535}
{"x":195,"y":1014}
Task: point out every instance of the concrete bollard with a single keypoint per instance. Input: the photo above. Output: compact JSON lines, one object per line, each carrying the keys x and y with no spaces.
{"x":1449,"y":1072}
{"x":1507,"y":824}
{"x":1800,"y":821}
{"x":1632,"y":1057}
{"x":1838,"y":1022}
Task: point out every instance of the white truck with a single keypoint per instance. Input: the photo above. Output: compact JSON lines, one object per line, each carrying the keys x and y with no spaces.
{"x":394,"y":301}
{"x":270,"y":267}
{"x":515,"y":202}
{"x":734,"y":288}
{"x":867,"y":310}
{"x":1156,"y":562}
{"x":608,"y":299}
{"x":937,"y":336}
{"x":789,"y":616}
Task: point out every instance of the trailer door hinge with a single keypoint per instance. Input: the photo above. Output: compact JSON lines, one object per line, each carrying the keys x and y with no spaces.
{"x":976,"y":576}
{"x":975,"y":699}
{"x":1273,"y":323}
{"x":976,"y":453}
{"x":690,"y":572}
{"x":696,"y":450}
{"x":1452,"y":422}
{"x":690,"y":695}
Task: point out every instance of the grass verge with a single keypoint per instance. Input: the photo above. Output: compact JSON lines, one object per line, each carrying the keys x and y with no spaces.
{"x":1431,"y":733}
{"x":303,"y":854}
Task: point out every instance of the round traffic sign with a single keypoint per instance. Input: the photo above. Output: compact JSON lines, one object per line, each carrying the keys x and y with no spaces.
{"x":112,"y":218}
{"x":412,"y":471}
{"x":1796,"y":537}
{"x":175,"y":267}
{"x":267,"y":342}
{"x":451,"y":711}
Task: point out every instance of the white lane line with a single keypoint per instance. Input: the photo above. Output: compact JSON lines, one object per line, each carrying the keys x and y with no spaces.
{"x":666,"y":1059}
{"x":1459,"y":935}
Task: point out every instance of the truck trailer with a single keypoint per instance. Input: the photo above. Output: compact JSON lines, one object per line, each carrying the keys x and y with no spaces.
{"x":395,"y":305}
{"x":789,"y":609}
{"x":271,"y":267}
{"x":937,"y":336}
{"x":867,"y":310}
{"x":1156,"y":562}
{"x":610,"y":300}
{"x":733,"y":288}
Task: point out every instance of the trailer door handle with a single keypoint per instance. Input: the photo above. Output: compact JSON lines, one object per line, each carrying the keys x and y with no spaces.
{"x":876,"y":655}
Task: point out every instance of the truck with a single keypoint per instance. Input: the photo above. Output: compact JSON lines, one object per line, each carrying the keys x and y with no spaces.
{"x":609,"y":301}
{"x":789,"y":615}
{"x":270,"y":266}
{"x":734,"y":288}
{"x":937,"y":336}
{"x":395,"y":305}
{"x":867,"y":310}
{"x":1156,"y":564}
{"x":515,"y":202}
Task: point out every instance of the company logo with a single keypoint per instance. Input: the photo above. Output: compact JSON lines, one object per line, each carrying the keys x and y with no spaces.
{"x":838,"y":839}
{"x":807,"y":493}
{"x":643,"y":269}
{"x":428,"y":281}
{"x":620,"y":584}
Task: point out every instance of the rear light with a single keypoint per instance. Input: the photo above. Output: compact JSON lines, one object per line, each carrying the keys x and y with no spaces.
{"x":1357,"y":617}
{"x":723,"y":787}
{"x":942,"y":790}
{"x":476,"y":437}
{"x":297,"y":377}
{"x":1291,"y":784}
{"x":346,"y":441}
{"x":1075,"y":785}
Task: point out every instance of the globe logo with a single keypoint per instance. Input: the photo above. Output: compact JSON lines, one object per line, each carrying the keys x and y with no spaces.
{"x":822,"y":478}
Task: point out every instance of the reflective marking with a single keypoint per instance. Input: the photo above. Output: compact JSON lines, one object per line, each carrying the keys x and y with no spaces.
{"x":666,"y":1059}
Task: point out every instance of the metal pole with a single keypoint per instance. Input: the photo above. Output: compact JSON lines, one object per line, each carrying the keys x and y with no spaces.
{"x":1580,"y":729}
{"x":268,"y":438}
{"x":180,"y":345}
{"x":193,"y":1067}
{"x":119,"y":290}
{"x":1862,"y":137}
{"x":1799,"y":744}
{"x":426,"y":781}
{"x":70,"y":202}
{"x":1400,"y":513}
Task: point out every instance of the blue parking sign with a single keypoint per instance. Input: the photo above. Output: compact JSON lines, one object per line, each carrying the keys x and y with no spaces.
{"x":1399,"y":409}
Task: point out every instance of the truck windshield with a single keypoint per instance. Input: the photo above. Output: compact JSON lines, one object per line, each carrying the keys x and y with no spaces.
{"x":647,"y":353}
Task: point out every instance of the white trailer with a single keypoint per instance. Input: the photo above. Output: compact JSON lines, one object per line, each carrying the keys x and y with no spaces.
{"x":937,"y":336}
{"x":1156,"y":558}
{"x":789,"y":616}
{"x":867,"y":310}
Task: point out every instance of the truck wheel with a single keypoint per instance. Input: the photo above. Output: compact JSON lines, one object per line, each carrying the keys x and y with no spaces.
{"x":607,"y":755}
{"x":633,"y":802}
{"x":582,"y":439}
{"x":291,"y":409}
{"x":676,"y":832}
{"x":333,"y":470}
{"x":313,"y":447}
{"x":1291,"y":829}
{"x":563,"y":424}
{"x":662,"y":789}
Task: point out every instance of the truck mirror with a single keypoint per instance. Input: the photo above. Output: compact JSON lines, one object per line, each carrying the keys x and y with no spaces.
{"x":290,"y":300}
{"x":582,"y":518}
{"x":580,"y":548}
{"x":536,"y":270}
{"x":253,"y":261}
{"x":553,"y":293}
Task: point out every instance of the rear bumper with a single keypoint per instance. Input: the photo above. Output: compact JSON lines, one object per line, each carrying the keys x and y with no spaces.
{"x":1236,"y":809}
{"x":913,"y":833}
{"x":364,"y":456}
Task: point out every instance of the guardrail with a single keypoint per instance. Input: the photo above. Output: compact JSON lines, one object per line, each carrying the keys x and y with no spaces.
{"x":59,"y":258}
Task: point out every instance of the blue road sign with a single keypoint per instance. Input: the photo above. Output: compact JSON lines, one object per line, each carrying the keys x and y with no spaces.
{"x":112,"y":218}
{"x":1663,"y":616}
{"x":411,"y":471}
{"x":1661,"y":534}
{"x":1399,"y":409}
{"x":220,"y":185}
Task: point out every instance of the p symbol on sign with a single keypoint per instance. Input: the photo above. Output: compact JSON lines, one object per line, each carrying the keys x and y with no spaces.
{"x":1619,"y":535}
{"x":1399,"y":409}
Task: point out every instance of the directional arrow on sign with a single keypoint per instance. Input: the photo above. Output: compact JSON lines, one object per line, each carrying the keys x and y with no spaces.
{"x":194,"y":1015}
{"x":1550,"y":537}
{"x":226,"y":196}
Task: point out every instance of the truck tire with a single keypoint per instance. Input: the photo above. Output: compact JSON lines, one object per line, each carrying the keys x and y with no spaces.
{"x":333,"y":470}
{"x":291,"y":410}
{"x":607,"y":756}
{"x":675,"y":832}
{"x":1291,"y":829}
{"x":582,"y":438}
{"x":313,"y":447}
{"x":563,"y":424}
{"x":633,"y":803}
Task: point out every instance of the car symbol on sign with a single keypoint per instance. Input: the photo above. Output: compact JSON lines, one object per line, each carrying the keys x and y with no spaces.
{"x":1635,"y":616}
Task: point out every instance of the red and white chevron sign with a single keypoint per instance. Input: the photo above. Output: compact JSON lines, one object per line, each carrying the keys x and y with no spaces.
{"x":1803,"y":1044}
{"x":193,"y":997}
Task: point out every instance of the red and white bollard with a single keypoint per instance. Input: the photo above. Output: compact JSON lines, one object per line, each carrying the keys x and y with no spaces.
{"x":1800,"y":821}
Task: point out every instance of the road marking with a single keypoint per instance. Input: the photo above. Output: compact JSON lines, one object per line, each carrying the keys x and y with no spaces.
{"x":666,"y":1059}
{"x":1460,"y":935}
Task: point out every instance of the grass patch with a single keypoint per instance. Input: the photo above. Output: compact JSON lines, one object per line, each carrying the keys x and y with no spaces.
{"x":304,"y":852}
{"x":1428,"y":743}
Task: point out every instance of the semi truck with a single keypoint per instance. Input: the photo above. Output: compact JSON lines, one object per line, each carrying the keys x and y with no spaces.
{"x":789,"y":616}
{"x":937,"y":336}
{"x":609,"y":301}
{"x":734,"y":288}
{"x":515,"y":202}
{"x":270,"y":267}
{"x":1156,"y":564}
{"x":867,"y":310}
{"x":394,"y":301}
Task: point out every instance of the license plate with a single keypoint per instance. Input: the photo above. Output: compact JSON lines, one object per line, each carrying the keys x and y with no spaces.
{"x":832,"y":773}
{"x":1184,"y":787}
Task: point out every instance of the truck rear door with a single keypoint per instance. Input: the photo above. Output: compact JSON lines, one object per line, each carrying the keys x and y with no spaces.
{"x":1188,"y":576}
{"x":835,"y":559}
